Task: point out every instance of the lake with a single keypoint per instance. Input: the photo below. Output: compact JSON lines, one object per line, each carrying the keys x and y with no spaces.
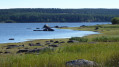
{"x":24,"y":31}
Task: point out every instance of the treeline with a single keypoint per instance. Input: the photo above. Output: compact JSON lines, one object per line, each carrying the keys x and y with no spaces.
{"x":57,"y":15}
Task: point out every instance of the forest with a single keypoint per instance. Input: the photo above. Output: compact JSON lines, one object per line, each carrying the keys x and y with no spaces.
{"x":36,"y":15}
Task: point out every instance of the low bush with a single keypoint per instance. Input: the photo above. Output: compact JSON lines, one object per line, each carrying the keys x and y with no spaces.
{"x":80,"y":39}
{"x":115,"y":20}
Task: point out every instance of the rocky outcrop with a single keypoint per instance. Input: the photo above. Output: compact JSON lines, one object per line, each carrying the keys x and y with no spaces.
{"x":81,"y":63}
{"x":47,"y":28}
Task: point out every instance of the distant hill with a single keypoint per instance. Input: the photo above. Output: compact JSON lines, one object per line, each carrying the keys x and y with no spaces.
{"x":57,"y":15}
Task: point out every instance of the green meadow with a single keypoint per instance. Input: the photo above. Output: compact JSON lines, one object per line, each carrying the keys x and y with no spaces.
{"x":101,"y":48}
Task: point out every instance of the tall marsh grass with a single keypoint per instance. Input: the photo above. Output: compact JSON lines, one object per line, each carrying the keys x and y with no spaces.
{"x":106,"y":39}
{"x":113,"y":61}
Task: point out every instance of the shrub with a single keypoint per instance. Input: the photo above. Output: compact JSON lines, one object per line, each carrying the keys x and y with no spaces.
{"x":80,"y":39}
{"x":115,"y":20}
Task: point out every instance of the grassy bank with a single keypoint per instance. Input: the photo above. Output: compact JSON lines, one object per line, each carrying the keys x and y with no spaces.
{"x":92,"y":47}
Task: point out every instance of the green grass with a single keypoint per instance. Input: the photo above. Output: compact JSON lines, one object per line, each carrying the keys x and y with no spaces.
{"x":102,"y":48}
{"x":99,"y":53}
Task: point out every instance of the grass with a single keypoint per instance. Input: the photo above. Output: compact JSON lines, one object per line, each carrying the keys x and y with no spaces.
{"x":101,"y":48}
{"x":99,"y":52}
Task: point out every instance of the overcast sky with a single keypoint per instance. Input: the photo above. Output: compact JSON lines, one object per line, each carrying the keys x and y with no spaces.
{"x":59,"y":4}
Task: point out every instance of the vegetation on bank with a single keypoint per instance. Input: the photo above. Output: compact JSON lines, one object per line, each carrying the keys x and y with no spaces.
{"x":115,"y":20}
{"x":58,"y":15}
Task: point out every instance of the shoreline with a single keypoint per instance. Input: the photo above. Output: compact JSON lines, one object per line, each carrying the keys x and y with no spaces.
{"x":71,"y":28}
{"x":31,"y":40}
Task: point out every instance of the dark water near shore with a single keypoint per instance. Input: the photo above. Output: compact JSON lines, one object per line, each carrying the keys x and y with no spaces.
{"x":24,"y":31}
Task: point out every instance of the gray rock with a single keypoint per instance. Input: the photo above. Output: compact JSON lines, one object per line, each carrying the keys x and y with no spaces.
{"x":11,"y":38}
{"x":13,"y":46}
{"x":22,"y":51}
{"x":72,"y":41}
{"x":53,"y":45}
{"x":81,"y":63}
{"x":83,"y":26}
{"x":37,"y":44}
{"x":31,"y":50}
{"x":56,"y":42}
{"x":47,"y":41}
{"x":56,"y":27}
{"x":96,"y":28}
{"x":6,"y":52}
{"x":31,"y":44}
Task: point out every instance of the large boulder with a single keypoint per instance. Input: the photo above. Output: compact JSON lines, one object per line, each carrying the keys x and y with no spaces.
{"x":80,"y":63}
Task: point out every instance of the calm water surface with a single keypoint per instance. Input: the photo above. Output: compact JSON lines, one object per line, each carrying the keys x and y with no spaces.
{"x":24,"y":31}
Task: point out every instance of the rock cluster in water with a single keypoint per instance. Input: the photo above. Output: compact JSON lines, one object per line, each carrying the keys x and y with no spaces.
{"x":45,"y":28}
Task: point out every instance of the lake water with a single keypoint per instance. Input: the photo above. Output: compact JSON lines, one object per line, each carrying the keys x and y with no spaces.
{"x":24,"y":31}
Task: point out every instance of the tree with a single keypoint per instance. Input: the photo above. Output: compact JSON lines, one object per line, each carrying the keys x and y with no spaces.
{"x":115,"y":20}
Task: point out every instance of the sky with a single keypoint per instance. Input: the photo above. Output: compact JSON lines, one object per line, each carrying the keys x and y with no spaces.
{"x":5,"y":4}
